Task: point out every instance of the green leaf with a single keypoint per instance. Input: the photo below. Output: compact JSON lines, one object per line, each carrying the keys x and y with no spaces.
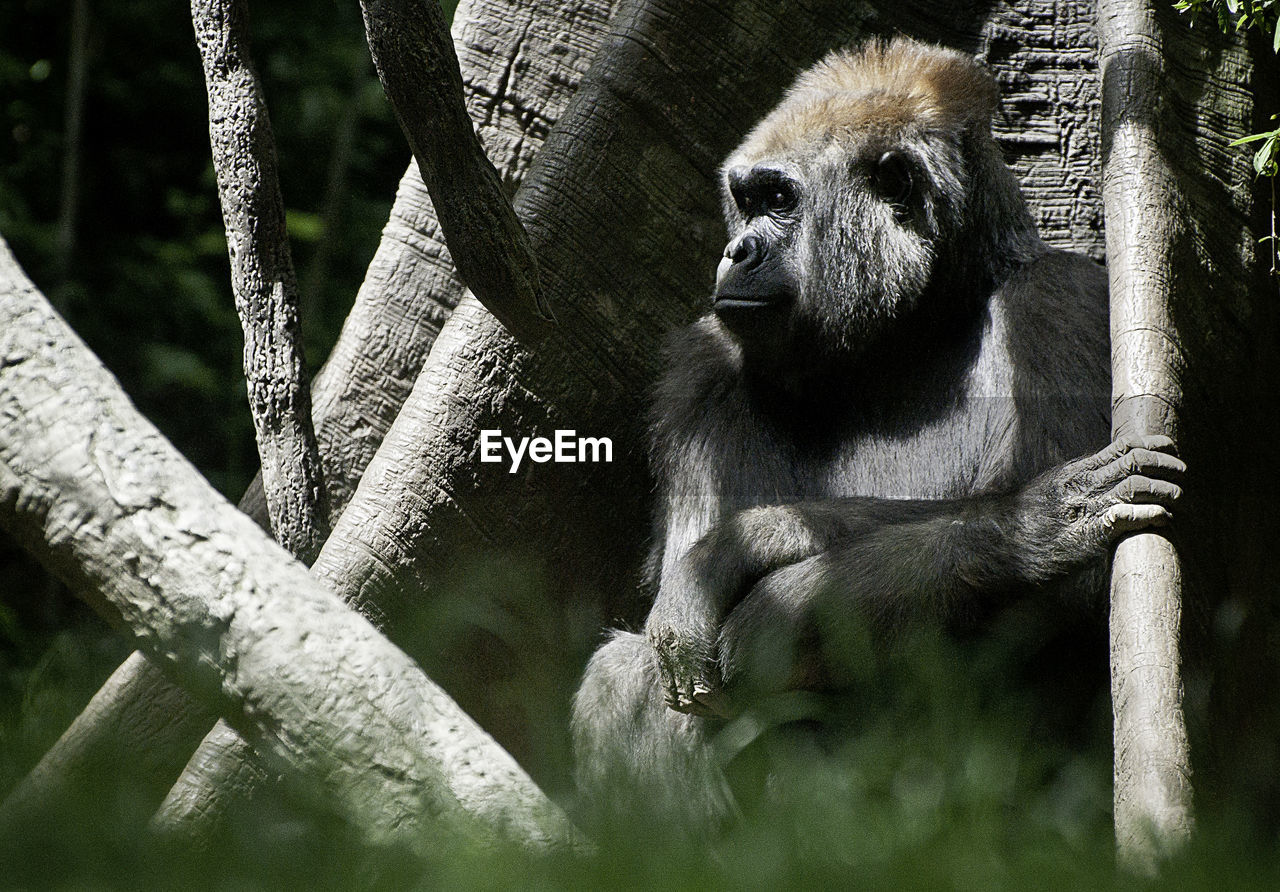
{"x":1253,"y":137}
{"x":1233,"y":6}
{"x":1264,"y":162}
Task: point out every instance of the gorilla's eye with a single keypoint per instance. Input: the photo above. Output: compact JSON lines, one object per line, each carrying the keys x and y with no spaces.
{"x":762,"y":190}
{"x":892,"y":179}
{"x":779,"y":197}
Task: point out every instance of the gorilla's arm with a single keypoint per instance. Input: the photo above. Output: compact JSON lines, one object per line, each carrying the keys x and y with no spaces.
{"x":765,"y":577}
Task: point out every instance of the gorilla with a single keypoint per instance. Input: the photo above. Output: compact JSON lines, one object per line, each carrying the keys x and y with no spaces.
{"x":878,"y":423}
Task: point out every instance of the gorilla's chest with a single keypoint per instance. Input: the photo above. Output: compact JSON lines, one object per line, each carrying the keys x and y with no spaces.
{"x":959,"y":454}
{"x":968,"y":449}
{"x":946,"y":436}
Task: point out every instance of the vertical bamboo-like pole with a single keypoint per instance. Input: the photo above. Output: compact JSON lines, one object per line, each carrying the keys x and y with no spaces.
{"x":1144,"y":210}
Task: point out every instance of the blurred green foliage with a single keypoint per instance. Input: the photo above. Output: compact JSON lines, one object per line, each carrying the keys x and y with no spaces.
{"x":940,"y":775}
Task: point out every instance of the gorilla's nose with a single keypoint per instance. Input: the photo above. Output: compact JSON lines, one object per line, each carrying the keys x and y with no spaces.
{"x":747,"y":250}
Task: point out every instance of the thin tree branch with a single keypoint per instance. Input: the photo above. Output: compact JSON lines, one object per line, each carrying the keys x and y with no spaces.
{"x":335,"y":190}
{"x":95,"y":492}
{"x":100,"y":743}
{"x":262,"y":277}
{"x":267,"y":300}
{"x":214,"y":780}
{"x":416,"y":61}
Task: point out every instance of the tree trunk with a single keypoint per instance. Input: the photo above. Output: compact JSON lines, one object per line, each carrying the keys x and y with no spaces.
{"x":1179,"y":338}
{"x":1144,"y":207}
{"x":89,"y":486}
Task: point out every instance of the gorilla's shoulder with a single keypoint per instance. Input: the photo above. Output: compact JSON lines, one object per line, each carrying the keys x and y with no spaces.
{"x":701,"y":353}
{"x":1059,"y":282}
{"x":1058,"y":319}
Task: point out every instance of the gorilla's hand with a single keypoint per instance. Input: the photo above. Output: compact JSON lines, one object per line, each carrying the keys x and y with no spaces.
{"x":704,"y":584}
{"x":686,"y":661}
{"x":1092,"y":501}
{"x":693,"y":596}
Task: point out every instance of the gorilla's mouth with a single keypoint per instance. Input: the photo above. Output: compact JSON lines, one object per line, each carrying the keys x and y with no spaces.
{"x":732,"y":300}
{"x":734,"y":304}
{"x":748,"y":315}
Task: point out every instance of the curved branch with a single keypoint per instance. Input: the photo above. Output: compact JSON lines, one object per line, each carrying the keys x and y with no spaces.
{"x":416,"y":61}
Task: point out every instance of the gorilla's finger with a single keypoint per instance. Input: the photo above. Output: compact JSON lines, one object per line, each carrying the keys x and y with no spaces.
{"x":1146,"y":462}
{"x":1147,"y":491}
{"x":1126,"y":518}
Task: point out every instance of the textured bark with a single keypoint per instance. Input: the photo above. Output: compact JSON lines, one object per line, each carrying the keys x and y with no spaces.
{"x":92,"y":489}
{"x":419,"y":71}
{"x":1045,"y":60}
{"x":262,"y":278}
{"x":1182,"y":268}
{"x":521,"y":61}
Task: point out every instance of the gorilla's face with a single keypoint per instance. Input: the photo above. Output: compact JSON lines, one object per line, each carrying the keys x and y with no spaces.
{"x":835,"y":239}
{"x":759,"y":280}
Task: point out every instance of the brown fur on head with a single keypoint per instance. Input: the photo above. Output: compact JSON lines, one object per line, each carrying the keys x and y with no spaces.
{"x":881,"y":86}
{"x":873,"y":191}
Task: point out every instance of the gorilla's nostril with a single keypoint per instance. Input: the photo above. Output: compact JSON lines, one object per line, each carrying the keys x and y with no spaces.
{"x":748,"y":250}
